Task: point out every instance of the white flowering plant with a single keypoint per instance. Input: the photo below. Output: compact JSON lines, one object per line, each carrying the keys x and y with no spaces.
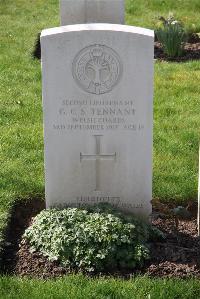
{"x":91,"y":240}
{"x":172,"y":36}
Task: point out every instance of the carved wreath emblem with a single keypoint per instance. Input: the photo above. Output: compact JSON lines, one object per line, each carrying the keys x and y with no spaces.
{"x":97,"y":69}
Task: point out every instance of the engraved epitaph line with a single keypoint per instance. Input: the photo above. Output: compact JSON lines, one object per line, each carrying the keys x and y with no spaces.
{"x":97,"y":157}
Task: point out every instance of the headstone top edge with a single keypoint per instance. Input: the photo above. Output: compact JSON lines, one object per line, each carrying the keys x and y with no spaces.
{"x":98,"y":27}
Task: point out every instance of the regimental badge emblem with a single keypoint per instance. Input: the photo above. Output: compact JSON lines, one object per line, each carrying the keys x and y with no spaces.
{"x":97,"y":69}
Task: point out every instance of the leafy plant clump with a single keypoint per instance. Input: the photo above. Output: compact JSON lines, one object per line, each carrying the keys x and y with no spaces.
{"x":172,"y":36}
{"x":90,"y":240}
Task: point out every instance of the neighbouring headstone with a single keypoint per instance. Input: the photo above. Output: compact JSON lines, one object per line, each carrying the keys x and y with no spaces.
{"x":91,"y":11}
{"x":97,"y":99}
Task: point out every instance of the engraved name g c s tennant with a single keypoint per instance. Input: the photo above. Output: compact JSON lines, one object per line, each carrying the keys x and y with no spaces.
{"x":97,"y":69}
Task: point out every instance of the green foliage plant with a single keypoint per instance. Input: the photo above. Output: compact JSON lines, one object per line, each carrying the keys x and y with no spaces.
{"x":90,"y":240}
{"x":172,"y":36}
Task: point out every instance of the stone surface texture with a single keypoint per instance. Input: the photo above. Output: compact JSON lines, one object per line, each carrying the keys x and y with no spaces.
{"x":91,"y":11}
{"x":98,"y":115}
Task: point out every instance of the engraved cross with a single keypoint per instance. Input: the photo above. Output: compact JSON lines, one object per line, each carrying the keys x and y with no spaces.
{"x":98,"y":156}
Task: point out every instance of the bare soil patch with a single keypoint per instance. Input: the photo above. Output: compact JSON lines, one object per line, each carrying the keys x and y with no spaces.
{"x":20,"y":219}
{"x":191,"y":52}
{"x":177,"y":256}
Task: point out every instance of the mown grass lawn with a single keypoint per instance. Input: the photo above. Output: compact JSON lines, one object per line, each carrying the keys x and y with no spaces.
{"x":145,"y":13}
{"x":80,"y":287}
{"x":176,"y":123}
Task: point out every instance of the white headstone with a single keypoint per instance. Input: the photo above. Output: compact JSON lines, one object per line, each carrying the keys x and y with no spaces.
{"x":97,"y":98}
{"x":91,"y":11}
